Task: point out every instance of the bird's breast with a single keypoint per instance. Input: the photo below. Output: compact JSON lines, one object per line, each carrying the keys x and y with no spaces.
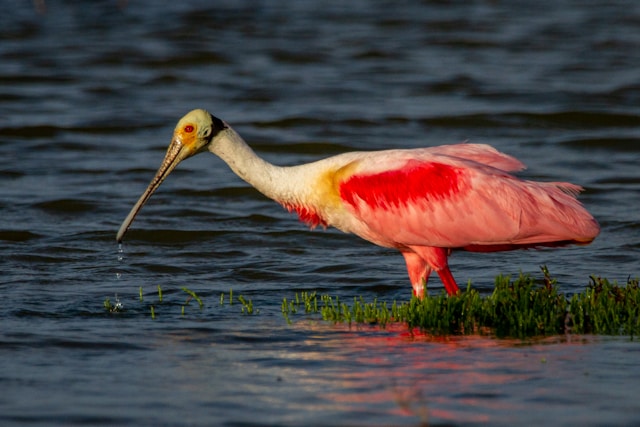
{"x":307,"y":214}
{"x":315,"y":196}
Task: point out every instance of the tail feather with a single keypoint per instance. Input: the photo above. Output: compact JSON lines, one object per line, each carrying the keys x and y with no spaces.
{"x":481,"y":153}
{"x":568,"y":188}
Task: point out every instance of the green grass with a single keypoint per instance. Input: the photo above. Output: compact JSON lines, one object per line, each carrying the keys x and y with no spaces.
{"x":522,"y":307}
{"x":192,"y":295}
{"x":168,"y":306}
{"x":517,"y":308}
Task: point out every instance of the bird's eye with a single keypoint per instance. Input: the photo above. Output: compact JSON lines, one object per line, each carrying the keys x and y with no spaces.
{"x":188,"y":128}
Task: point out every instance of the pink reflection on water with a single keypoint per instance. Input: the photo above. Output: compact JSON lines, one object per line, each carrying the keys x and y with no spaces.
{"x":467,"y":379}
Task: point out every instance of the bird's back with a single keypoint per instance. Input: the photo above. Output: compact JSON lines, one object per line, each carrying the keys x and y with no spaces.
{"x":458,"y":196}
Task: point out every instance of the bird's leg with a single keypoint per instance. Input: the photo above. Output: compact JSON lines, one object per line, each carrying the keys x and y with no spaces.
{"x":419,"y":272}
{"x":436,"y":259}
{"x":420,"y":287}
{"x":449,"y":282}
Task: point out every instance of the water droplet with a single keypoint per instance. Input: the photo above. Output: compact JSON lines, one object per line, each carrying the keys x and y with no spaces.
{"x":120,"y":253}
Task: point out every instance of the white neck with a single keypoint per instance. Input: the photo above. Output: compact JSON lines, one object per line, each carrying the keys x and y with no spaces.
{"x":264,"y":176}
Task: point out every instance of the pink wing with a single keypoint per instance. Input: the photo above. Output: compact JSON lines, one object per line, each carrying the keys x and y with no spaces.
{"x":460,"y":197}
{"x":480,"y":153}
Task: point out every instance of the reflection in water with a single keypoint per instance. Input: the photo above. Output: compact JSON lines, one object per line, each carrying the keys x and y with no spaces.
{"x":334,"y":370}
{"x":90,"y":92}
{"x":462,"y":379}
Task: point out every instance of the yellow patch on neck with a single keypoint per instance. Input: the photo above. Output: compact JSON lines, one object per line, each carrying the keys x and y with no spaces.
{"x":319,"y":203}
{"x":327,"y":193}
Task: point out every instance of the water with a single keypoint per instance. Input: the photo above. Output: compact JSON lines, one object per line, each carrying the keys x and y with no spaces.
{"x":89,"y":95}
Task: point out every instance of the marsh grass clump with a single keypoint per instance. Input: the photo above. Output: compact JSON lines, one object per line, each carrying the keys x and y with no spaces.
{"x":247,"y":305}
{"x":442,"y":315}
{"x":523,"y":308}
{"x":517,"y":308}
{"x":605,"y":308}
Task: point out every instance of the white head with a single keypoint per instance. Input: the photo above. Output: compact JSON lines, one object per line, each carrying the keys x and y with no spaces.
{"x":192,"y":135}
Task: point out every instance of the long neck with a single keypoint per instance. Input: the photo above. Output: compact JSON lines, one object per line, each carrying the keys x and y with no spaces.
{"x":267,"y":178}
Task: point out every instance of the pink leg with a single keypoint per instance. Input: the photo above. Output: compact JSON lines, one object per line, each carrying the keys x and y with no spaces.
{"x":449,"y":282}
{"x":419,"y":272}
{"x":436,"y":259}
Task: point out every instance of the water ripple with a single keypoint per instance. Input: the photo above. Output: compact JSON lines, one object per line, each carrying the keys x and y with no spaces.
{"x":89,"y":97}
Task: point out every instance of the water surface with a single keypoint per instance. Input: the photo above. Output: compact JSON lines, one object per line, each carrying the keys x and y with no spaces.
{"x":89,"y":96}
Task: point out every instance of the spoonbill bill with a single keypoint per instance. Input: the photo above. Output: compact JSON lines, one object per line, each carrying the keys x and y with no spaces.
{"x":424,"y":202}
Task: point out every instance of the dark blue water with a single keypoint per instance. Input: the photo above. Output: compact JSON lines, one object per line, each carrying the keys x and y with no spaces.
{"x":89,"y":95}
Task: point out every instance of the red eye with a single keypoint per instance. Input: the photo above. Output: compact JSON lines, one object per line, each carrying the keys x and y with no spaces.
{"x":188,"y":128}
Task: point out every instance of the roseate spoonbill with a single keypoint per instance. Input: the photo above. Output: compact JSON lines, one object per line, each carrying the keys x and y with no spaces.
{"x":424,"y":202}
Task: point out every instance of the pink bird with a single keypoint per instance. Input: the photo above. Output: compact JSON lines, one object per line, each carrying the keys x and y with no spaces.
{"x":424,"y":202}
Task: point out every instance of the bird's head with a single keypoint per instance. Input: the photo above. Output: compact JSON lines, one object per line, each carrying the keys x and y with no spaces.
{"x":192,"y":135}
